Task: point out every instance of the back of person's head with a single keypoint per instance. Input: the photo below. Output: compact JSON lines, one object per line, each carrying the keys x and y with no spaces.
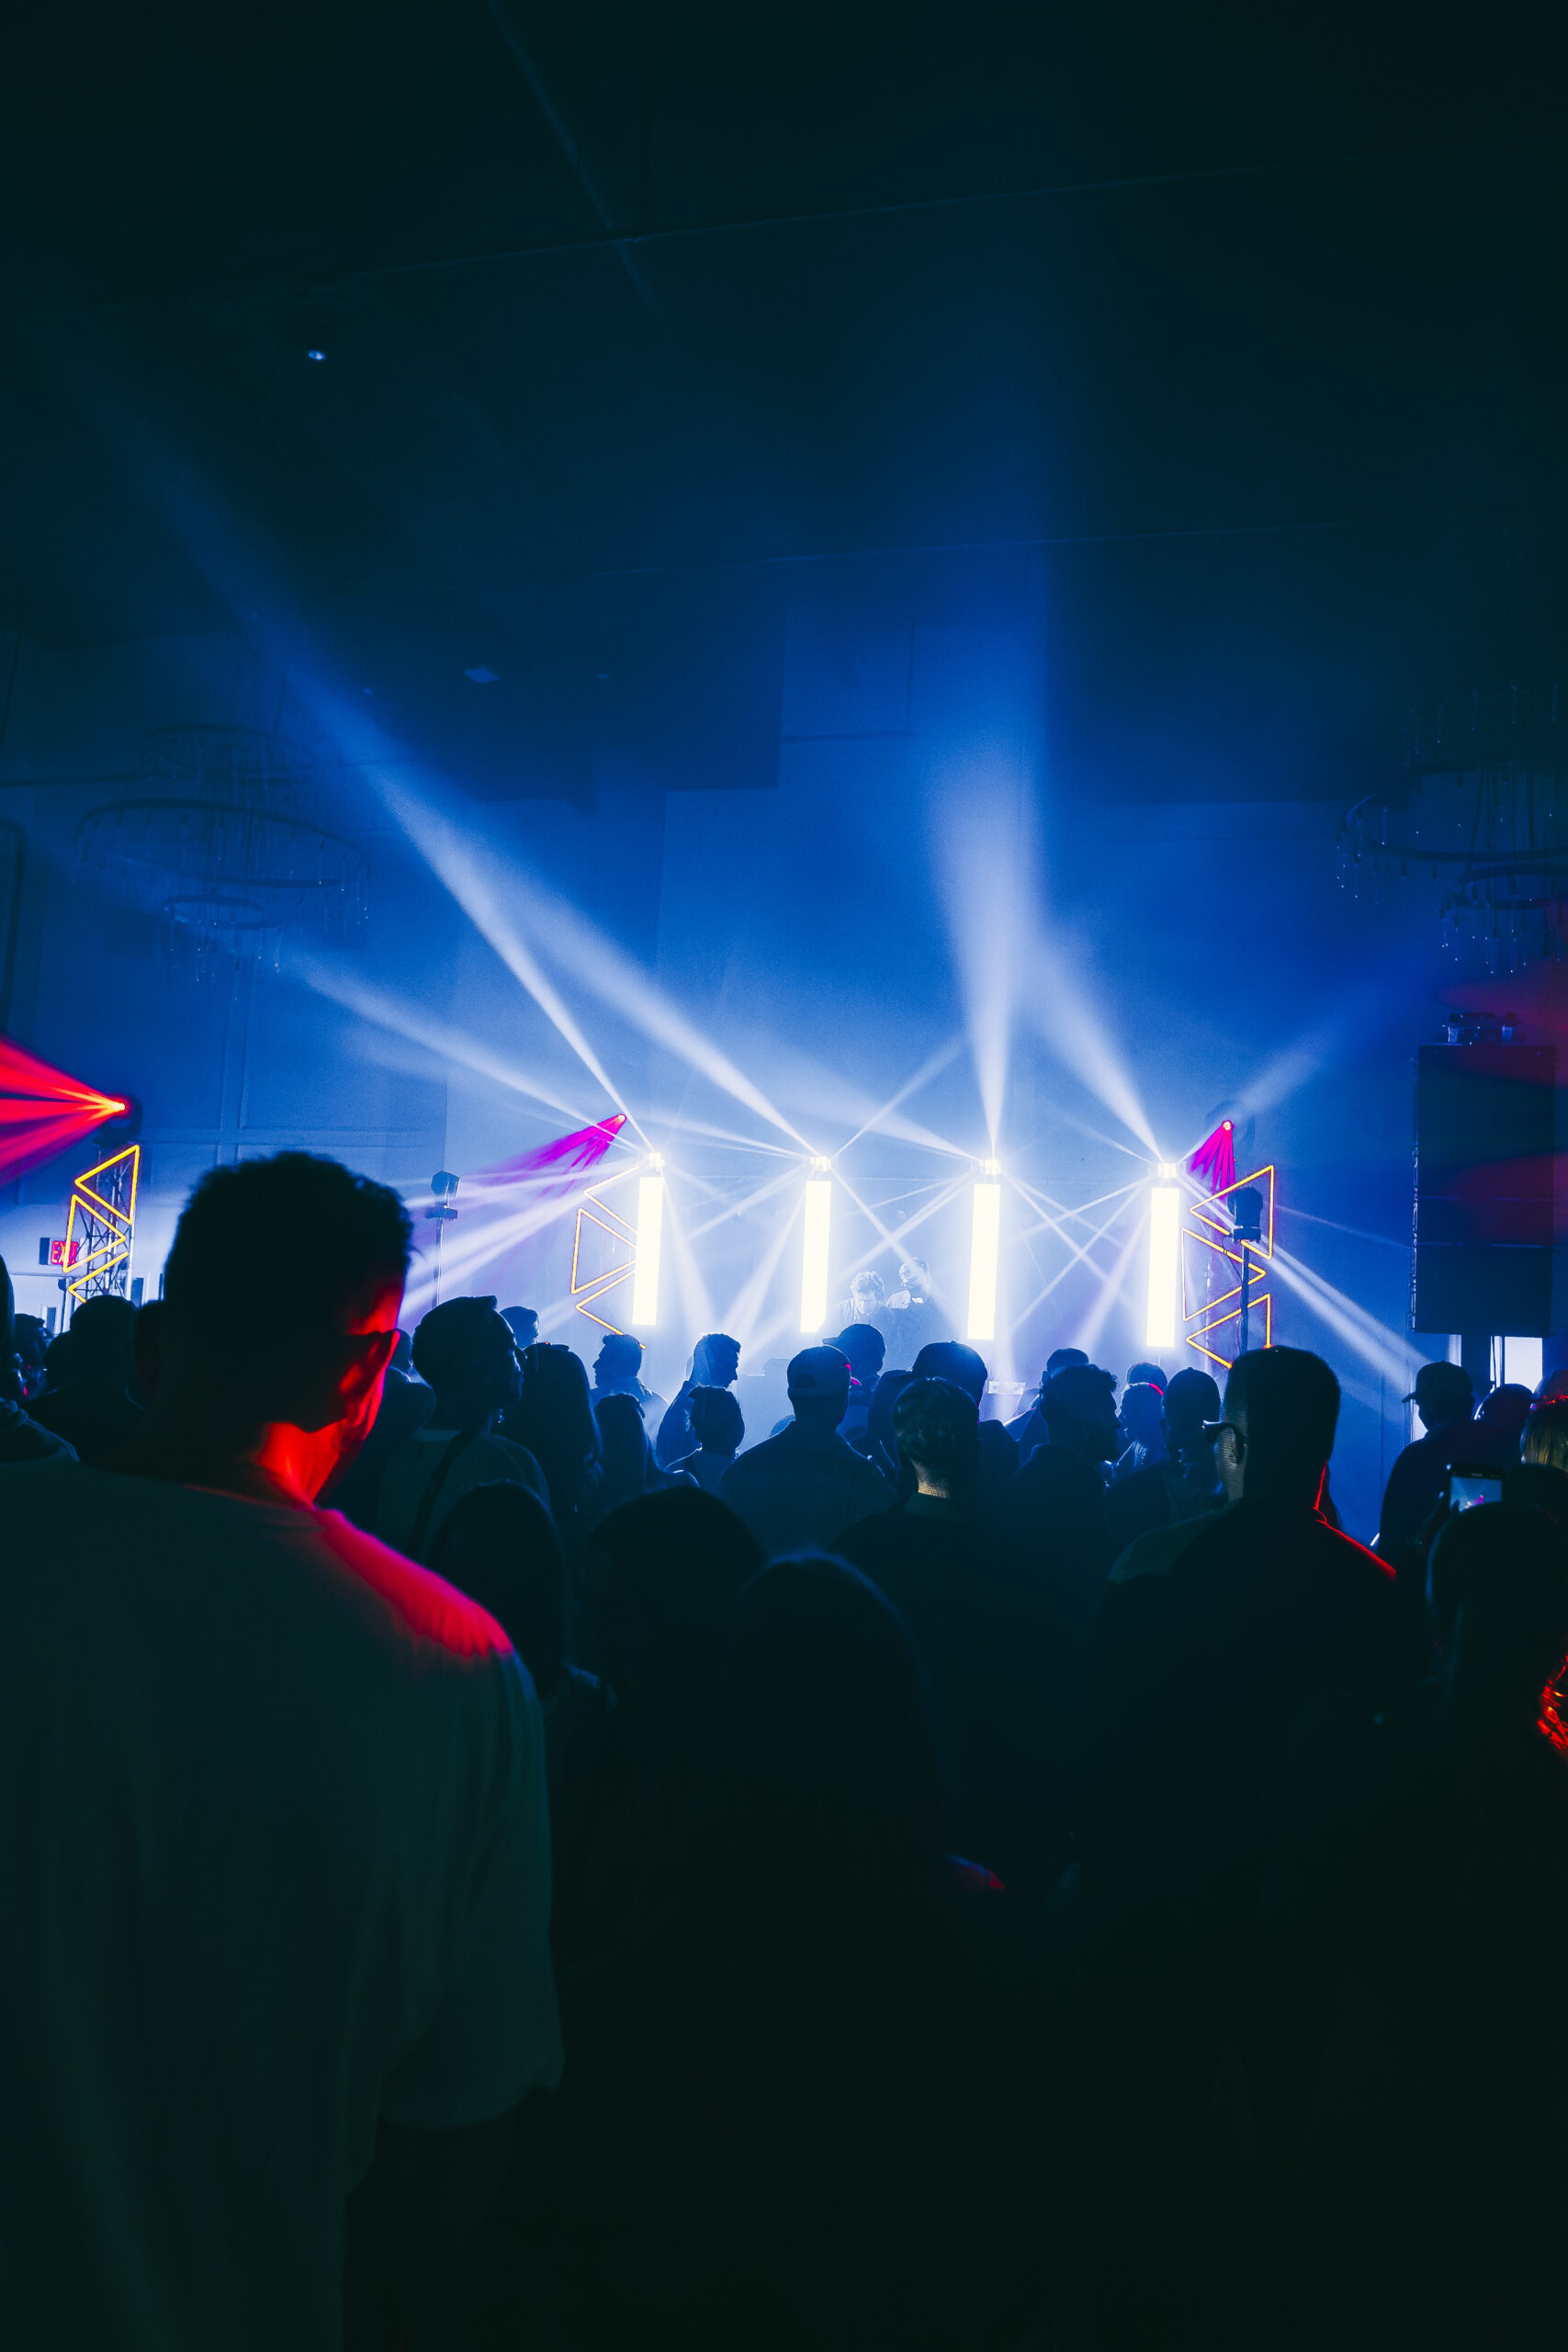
{"x":1554,"y":1387}
{"x":1191,"y":1399}
{"x":146,"y":1346}
{"x":951,"y":1360}
{"x":938,"y":1429}
{"x":1443,"y":1394}
{"x":1546,"y":1435}
{"x":1080,"y":1398}
{"x":1467,"y":1551}
{"x":866,"y":1348}
{"x":523,"y":1322}
{"x":1143,"y":1410}
{"x":464,"y":1345}
{"x":818,"y":1382}
{"x":100,"y":1342}
{"x":1508,"y":1408}
{"x":272,"y":1259}
{"x":1152,"y":1372}
{"x":1290,"y":1401}
{"x":623,"y":1445}
{"x":663,"y":1573}
{"x":60,"y":1360}
{"x":620,"y":1358}
{"x":499,"y":1544}
{"x":716,"y":1422}
{"x":826,"y":1766}
{"x":1062,"y":1360}
{"x":554,"y":1416}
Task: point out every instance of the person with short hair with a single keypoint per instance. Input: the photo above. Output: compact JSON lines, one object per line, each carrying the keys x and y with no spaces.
{"x":719,"y":1428}
{"x":273,"y":1825}
{"x":617,"y":1371}
{"x":1146,"y":1371}
{"x":866,"y":1350}
{"x":716,"y":1364}
{"x":867,"y":1300}
{"x":1052,"y":1515}
{"x":951,"y":1360}
{"x":1028,"y":1429}
{"x":94,"y":1410}
{"x":463,"y":1350}
{"x":910,"y":1316}
{"x":799,"y":1489}
{"x":1445,"y":1399}
{"x":1182,"y":1486}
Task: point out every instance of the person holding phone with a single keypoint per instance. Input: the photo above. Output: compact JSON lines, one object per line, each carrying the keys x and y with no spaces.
{"x":1445,"y":1399}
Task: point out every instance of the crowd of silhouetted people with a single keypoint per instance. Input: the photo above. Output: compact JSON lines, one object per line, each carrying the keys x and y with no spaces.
{"x":494,"y":1856}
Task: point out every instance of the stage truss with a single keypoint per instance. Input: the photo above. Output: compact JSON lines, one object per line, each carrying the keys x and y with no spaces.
{"x":601,"y":1233}
{"x":1211,"y":1254}
{"x":101,"y":1226}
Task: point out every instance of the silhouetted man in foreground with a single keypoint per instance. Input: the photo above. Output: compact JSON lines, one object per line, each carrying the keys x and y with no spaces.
{"x":797,"y":1491}
{"x":273,"y":1830}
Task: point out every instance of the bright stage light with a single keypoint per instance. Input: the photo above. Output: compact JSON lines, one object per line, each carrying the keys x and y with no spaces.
{"x":1164,"y":1263}
{"x":649,"y":1230}
{"x":987,"y":1232}
{"x":814,"y":1257}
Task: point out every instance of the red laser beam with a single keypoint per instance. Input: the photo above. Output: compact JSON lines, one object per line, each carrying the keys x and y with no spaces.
{"x":43,"y":1111}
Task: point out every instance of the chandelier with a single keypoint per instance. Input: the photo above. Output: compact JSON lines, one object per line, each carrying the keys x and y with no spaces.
{"x":1475,"y":823}
{"x":223,"y":847}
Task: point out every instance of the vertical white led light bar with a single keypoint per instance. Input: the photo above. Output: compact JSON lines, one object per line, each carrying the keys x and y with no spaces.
{"x":985,"y":1235}
{"x":1164,"y":1263}
{"x":813,"y":1258}
{"x":650,"y":1234}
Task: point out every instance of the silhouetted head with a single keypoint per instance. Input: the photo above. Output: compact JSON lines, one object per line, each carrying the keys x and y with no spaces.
{"x":938,"y":1432}
{"x":553,"y":1419}
{"x":100,"y":1343}
{"x":1079,"y":1407}
{"x":464,"y":1349}
{"x":499,"y":1544}
{"x":1062,"y":1360}
{"x":1281,"y":1413}
{"x":716,"y":1422}
{"x":618,"y":1363}
{"x":716,"y":1360}
{"x":523,"y":1322}
{"x":819,"y":1388}
{"x":825,"y":1768}
{"x":866,"y":1348}
{"x":1191,"y":1399}
{"x":1507,"y":1409}
{"x":1150,"y":1372}
{"x":663,"y":1573}
{"x":1142,"y":1417}
{"x":951,"y":1360}
{"x":1443,"y":1394}
{"x":281,"y":1294}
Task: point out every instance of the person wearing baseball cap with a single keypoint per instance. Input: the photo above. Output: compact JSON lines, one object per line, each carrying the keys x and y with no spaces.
{"x":798,"y":1491}
{"x":1445,"y":1401}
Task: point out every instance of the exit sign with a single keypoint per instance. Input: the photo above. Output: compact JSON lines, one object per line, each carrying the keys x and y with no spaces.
{"x":57,"y":1252}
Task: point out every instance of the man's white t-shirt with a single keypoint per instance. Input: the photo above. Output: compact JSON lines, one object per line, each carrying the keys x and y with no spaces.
{"x":273,"y":1863}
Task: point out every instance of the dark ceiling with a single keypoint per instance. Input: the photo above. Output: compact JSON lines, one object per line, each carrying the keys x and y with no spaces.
{"x":1245,"y":331}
